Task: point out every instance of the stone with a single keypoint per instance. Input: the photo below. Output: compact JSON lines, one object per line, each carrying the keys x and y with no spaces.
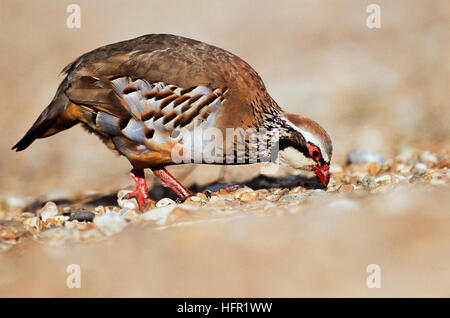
{"x":353,"y":180}
{"x":248,"y":196}
{"x":359,"y":157}
{"x":216,"y":201}
{"x":420,"y":168}
{"x":99,"y":209}
{"x":428,"y":157}
{"x":11,"y":230}
{"x":202,"y":196}
{"x":49,"y":210}
{"x":237,"y":194}
{"x":195,"y":198}
{"x":124,"y":203}
{"x":294,"y":197}
{"x":129,"y":215}
{"x":85,"y":216}
{"x":373,"y":168}
{"x":57,"y":220}
{"x":403,"y":168}
{"x":346,"y":188}
{"x":165,"y":202}
{"x":384,"y":179}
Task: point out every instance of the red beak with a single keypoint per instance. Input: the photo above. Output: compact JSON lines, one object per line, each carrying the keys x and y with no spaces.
{"x":323,"y":173}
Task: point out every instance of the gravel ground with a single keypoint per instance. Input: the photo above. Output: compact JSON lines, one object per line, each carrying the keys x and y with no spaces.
{"x":269,"y":241}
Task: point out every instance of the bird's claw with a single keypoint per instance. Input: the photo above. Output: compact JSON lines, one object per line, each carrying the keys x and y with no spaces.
{"x":142,"y":199}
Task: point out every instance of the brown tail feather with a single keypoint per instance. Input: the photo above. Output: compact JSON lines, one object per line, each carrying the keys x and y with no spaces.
{"x":46,"y":119}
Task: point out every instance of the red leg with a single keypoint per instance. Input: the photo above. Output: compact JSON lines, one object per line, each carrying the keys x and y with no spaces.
{"x":172,"y":183}
{"x":141,"y":192}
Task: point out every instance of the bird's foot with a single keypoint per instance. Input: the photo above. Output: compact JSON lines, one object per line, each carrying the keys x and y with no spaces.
{"x":141,"y":192}
{"x":143,"y":201}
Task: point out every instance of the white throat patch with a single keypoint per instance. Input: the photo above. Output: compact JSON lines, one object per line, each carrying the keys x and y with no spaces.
{"x":292,"y":158}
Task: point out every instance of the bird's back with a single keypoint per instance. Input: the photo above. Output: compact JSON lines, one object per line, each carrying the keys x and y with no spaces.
{"x":135,"y":93}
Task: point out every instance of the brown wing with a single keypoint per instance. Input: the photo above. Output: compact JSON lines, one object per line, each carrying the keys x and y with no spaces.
{"x":168,"y":59}
{"x":147,"y":86}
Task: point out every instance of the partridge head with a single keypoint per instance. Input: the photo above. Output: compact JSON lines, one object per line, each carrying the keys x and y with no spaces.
{"x":308,"y":148}
{"x":148,"y":96}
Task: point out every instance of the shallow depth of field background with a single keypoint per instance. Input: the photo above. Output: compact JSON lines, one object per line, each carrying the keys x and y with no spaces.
{"x":376,"y":89}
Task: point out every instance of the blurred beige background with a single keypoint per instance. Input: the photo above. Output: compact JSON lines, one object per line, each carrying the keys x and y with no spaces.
{"x":376,"y":89}
{"x":382,"y":90}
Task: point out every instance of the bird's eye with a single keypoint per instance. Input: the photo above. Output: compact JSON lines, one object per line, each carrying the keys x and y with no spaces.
{"x":313,"y":151}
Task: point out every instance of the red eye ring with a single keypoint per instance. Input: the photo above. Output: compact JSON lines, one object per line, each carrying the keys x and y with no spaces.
{"x":313,"y":151}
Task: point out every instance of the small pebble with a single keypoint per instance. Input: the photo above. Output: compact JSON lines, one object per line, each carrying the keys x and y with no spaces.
{"x":384,"y":179}
{"x":12,"y":231}
{"x":373,"y":168}
{"x":129,"y":215}
{"x":353,"y":180}
{"x":214,"y":199}
{"x":195,"y":198}
{"x":403,"y":168}
{"x":363,"y":157}
{"x":85,"y":216}
{"x":346,"y":188}
{"x":124,"y":203}
{"x":49,"y":210}
{"x":420,"y":168}
{"x":237,"y":194}
{"x":203,"y":196}
{"x":165,"y":202}
{"x":248,"y":196}
{"x":428,"y":157}
{"x":293,"y":197}
{"x":31,"y":222}
{"x":99,"y":210}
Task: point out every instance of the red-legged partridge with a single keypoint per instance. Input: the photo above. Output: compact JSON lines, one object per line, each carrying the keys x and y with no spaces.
{"x":148,"y":97}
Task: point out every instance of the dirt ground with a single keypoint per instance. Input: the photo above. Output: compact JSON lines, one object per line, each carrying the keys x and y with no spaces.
{"x":383,"y":91}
